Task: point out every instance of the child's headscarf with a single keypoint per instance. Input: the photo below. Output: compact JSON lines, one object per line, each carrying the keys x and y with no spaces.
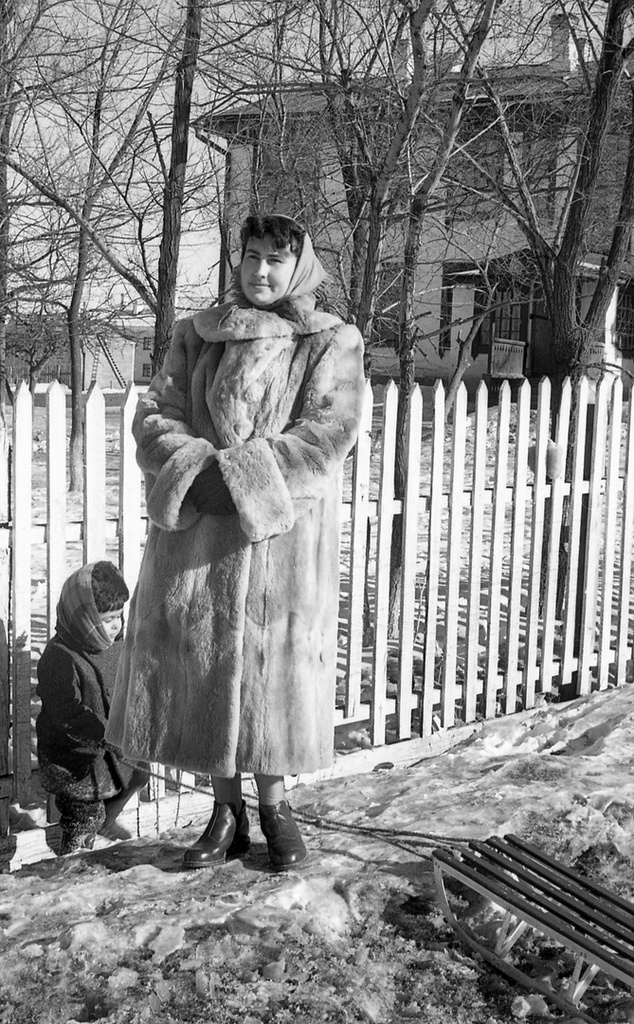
{"x":77,"y":615}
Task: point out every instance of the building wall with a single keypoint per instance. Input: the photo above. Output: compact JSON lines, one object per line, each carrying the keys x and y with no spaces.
{"x":488,"y":235}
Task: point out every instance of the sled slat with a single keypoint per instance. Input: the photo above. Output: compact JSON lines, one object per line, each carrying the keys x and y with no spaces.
{"x":537,"y":892}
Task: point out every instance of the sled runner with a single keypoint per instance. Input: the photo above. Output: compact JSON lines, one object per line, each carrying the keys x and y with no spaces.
{"x":537,"y":892}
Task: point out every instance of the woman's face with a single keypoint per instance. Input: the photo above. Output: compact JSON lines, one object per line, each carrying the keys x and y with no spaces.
{"x":266,"y":271}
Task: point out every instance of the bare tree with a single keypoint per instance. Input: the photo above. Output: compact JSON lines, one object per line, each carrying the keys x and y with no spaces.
{"x":18,"y":27}
{"x":582,"y":126}
{"x":35,"y":338}
{"x":390,"y":129}
{"x":108,"y":149}
{"x":174,"y":193}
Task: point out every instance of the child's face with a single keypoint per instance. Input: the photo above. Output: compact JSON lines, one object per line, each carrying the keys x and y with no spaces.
{"x":266,"y":271}
{"x":112,"y":622}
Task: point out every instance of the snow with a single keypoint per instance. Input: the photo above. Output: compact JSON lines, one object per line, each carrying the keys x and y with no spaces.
{"x":122,"y":934}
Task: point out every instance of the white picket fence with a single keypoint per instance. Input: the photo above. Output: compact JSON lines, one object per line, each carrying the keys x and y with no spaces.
{"x":491,"y":619}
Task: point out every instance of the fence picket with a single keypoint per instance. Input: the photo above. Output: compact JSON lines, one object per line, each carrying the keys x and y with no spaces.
{"x":511,"y":662}
{"x":413,"y":439}
{"x":21,"y":587}
{"x":55,"y":499}
{"x":382,"y":573}
{"x":494,"y":615}
{"x":613,"y":452}
{"x":475,"y":561}
{"x":434,"y":533}
{"x":587,"y":637}
{"x":533,"y":625}
{"x":569,"y":659}
{"x":454,"y":555}
{"x":624,"y":601}
{"x":95,"y":475}
{"x":551,"y":573}
{"x":358,"y":559}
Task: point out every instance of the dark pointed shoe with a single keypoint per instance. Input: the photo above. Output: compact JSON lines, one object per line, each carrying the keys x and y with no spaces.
{"x":286,"y":846}
{"x":226,"y":836}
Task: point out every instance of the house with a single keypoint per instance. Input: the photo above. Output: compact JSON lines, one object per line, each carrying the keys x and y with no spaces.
{"x":474,"y":270}
{"x":117,"y":349}
{"x":112,"y":361}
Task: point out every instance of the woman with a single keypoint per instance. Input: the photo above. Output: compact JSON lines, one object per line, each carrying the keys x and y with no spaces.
{"x":229,"y":659}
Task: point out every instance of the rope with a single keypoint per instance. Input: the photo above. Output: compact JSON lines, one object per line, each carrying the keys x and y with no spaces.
{"x":388,"y":834}
{"x":404,"y":838}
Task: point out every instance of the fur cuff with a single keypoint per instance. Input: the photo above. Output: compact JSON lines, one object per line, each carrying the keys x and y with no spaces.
{"x":166,"y":505}
{"x":258,"y":489}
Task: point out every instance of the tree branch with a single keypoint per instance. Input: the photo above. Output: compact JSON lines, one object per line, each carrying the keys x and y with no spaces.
{"x":100,"y":244}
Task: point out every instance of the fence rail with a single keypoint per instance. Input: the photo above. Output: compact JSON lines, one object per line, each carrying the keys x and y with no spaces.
{"x":514,"y":581}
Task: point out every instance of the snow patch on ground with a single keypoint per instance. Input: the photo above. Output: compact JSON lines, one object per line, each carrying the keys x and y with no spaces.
{"x":123,"y":935}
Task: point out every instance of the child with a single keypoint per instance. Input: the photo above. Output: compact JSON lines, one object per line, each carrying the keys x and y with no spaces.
{"x":76,"y":675}
{"x":229,"y":662}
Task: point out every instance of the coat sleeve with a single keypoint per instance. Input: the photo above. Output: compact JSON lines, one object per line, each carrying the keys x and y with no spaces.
{"x":275,"y":479}
{"x":59,"y":688}
{"x":169,"y":452}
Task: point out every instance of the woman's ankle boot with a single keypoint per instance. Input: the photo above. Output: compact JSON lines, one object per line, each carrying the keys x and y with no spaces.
{"x":226,"y":836}
{"x":286,"y":847}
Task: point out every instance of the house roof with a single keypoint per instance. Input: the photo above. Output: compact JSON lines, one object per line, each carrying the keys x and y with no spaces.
{"x":501,"y":267}
{"x":522,"y":83}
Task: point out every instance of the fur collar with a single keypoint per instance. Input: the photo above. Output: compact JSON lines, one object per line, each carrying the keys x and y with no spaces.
{"x":233,"y":322}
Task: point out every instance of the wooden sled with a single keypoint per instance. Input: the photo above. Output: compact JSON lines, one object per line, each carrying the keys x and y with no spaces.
{"x":538,"y":893}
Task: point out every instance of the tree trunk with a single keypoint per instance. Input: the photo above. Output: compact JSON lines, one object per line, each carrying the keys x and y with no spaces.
{"x":6,"y":13}
{"x":175,"y":185}
{"x":76,"y":445}
{"x":400,"y":479}
{"x":4,"y":249}
{"x":418,"y":206}
{"x":373,"y":253}
{"x":462,"y":364}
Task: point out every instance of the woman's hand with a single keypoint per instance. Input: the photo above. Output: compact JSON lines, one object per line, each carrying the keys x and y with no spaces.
{"x":210,"y":494}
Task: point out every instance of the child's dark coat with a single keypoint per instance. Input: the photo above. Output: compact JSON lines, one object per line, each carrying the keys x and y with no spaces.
{"x":75,"y":689}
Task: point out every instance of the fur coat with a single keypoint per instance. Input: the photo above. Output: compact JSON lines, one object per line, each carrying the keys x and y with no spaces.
{"x":230,"y":653}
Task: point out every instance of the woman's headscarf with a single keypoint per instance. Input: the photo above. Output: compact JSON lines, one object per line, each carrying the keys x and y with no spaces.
{"x":309,"y":272}
{"x":77,"y":615}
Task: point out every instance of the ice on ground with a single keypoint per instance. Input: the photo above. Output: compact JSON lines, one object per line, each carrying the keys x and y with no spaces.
{"x":123,"y":935}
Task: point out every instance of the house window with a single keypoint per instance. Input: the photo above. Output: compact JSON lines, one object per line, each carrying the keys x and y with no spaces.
{"x":506,"y":318}
{"x":446,"y":312}
{"x":477,"y":168}
{"x":147,"y":344}
{"x":388,"y":303}
{"x":624,"y":328}
{"x":147,"y":369}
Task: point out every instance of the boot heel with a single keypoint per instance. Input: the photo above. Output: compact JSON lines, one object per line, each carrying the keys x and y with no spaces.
{"x":285,"y":844}
{"x":226,"y":836}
